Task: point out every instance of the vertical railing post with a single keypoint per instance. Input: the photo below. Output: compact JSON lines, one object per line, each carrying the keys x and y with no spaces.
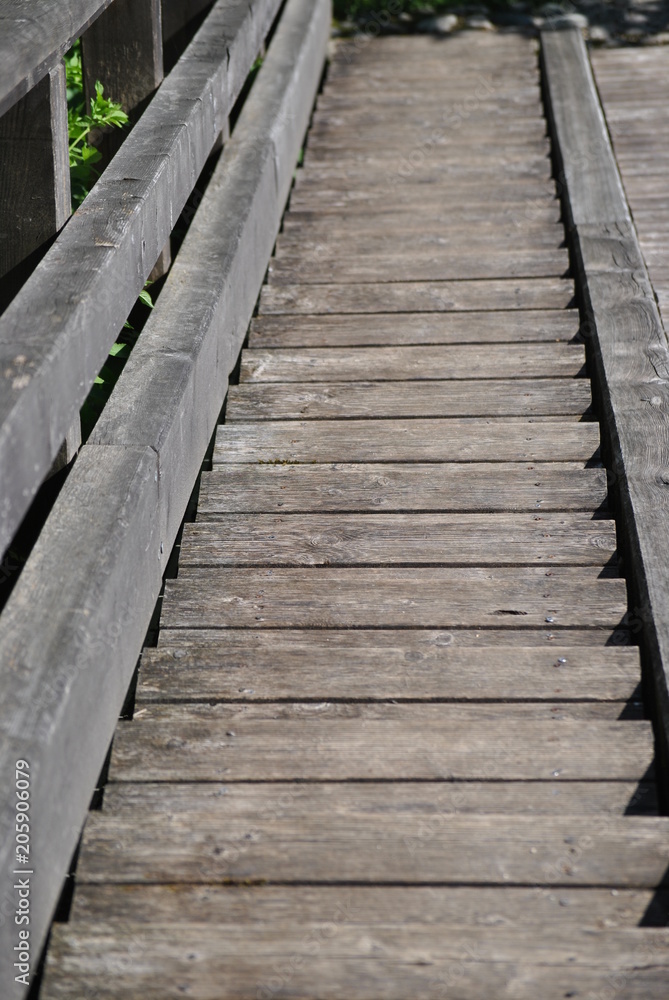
{"x":35,"y":176}
{"x":123,"y":49}
{"x":35,"y":198}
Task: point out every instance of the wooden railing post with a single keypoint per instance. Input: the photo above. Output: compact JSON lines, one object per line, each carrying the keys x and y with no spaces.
{"x":35,"y":198}
{"x":35,"y":177}
{"x":123,"y":49}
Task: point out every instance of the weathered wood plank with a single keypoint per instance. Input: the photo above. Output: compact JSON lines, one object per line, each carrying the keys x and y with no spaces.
{"x":392,"y":200}
{"x":479,"y":217}
{"x":412,"y":362}
{"x":35,"y":178}
{"x":419,"y":296}
{"x":376,"y":741}
{"x":479,"y":906}
{"x":172,"y":389}
{"x":387,"y":329}
{"x":435,"y":440}
{"x":59,"y":328}
{"x":398,"y":539}
{"x":548,"y":637}
{"x":440,"y":598}
{"x":396,"y":487}
{"x":361,"y":962}
{"x":466,"y":398}
{"x":358,"y":267}
{"x":411,"y":237}
{"x":287,"y":669}
{"x":206,"y":840}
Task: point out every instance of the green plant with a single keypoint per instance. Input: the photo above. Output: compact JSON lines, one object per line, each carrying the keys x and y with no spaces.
{"x":104,"y":113}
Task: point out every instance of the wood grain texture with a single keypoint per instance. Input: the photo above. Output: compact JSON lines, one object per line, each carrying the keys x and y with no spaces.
{"x":355,"y":268}
{"x":123,"y":49}
{"x":31,"y":46}
{"x":398,"y":539}
{"x":309,"y":667}
{"x":329,"y":400}
{"x":61,"y":325}
{"x":412,"y":640}
{"x":206,"y":839}
{"x":512,"y":486}
{"x":587,"y":166}
{"x":425,"y":598}
{"x":360,"y":962}
{"x":35,"y":178}
{"x":332,"y":364}
{"x":418,"y":296}
{"x":528,"y":326}
{"x":469,"y":906}
{"x":321,"y":742}
{"x":436,"y":440}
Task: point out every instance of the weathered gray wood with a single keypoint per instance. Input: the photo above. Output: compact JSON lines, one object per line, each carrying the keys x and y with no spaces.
{"x":398,"y":539}
{"x":587,"y":166}
{"x":411,"y":440}
{"x":327,"y":400}
{"x":231,"y":488}
{"x":364,"y":742}
{"x":31,"y":44}
{"x":482,"y":216}
{"x":35,"y":177}
{"x":123,"y":49}
{"x":172,"y":389}
{"x":418,"y":296}
{"x":417,"y":266}
{"x":526,"y":326}
{"x":326,"y":243}
{"x":59,"y":328}
{"x":75,"y":664}
{"x":206,"y":840}
{"x":392,"y":199}
{"x":412,"y":640}
{"x":468,"y":906}
{"x":359,"y":597}
{"x":238,"y":671}
{"x":381,"y":363}
{"x":360,"y":962}
{"x":631,"y":360}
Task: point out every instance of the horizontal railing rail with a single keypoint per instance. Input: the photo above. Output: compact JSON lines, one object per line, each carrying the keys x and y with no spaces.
{"x":73,"y":628}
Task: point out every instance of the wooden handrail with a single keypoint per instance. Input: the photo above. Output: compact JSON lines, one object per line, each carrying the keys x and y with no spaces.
{"x":627,"y":347}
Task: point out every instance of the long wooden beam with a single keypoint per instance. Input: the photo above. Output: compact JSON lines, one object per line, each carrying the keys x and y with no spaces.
{"x":627,"y":345}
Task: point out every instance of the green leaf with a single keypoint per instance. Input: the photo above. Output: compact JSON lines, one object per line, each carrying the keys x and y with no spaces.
{"x":146,"y":299}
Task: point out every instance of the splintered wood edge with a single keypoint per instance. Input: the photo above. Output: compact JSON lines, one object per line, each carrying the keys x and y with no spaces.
{"x":617,"y":291}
